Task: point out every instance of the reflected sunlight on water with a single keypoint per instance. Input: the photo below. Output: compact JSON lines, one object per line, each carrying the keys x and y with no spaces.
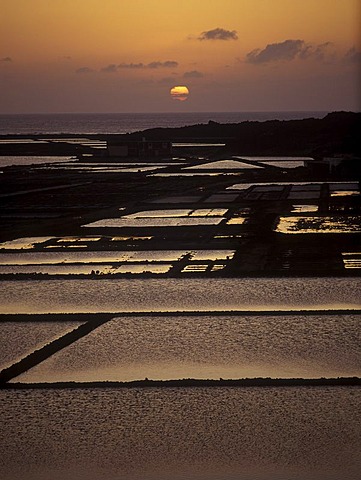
{"x":207,"y":347}
{"x":21,"y":338}
{"x":153,"y":294}
{"x":192,"y":433}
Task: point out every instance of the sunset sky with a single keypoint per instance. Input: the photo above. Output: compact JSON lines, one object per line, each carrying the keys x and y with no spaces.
{"x":126,"y":55}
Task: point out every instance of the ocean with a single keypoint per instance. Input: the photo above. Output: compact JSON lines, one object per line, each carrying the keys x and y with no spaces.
{"x":94,"y":123}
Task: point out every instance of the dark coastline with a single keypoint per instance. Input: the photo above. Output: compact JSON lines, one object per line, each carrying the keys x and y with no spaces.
{"x":335,"y":133}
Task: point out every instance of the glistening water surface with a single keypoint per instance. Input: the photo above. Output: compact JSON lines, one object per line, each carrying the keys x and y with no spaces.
{"x":19,"y":339}
{"x":207,"y":347}
{"x":155,"y":222}
{"x":92,"y":257}
{"x":183,"y":434}
{"x":156,"y":294}
{"x":222,"y":164}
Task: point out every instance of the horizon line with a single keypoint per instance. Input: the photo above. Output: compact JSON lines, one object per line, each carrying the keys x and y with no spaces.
{"x":177,"y":112}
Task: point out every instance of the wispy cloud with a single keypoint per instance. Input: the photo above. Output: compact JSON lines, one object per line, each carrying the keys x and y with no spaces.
{"x":152,"y":65}
{"x":6,"y":59}
{"x":290,"y":50}
{"x":218,"y":34}
{"x":112,"y":68}
{"x":84,"y":70}
{"x":352,"y":56}
{"x":132,"y":66}
{"x":193,"y":74}
{"x":167,"y":64}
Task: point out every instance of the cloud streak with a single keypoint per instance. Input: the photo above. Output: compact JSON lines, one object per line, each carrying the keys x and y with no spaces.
{"x":193,"y":74}
{"x":84,"y":70}
{"x":151,"y":65}
{"x":167,"y":64}
{"x":273,"y":52}
{"x":112,"y":68}
{"x":290,"y":50}
{"x":352,"y":56}
{"x":218,"y":34}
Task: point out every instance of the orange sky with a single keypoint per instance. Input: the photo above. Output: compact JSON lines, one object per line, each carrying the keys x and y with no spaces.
{"x":126,"y":55}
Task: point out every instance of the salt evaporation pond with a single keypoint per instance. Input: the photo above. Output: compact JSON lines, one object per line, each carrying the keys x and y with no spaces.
{"x":209,"y":347}
{"x":8,"y":160}
{"x":172,"y":294}
{"x":18,"y":339}
{"x":155,"y":222}
{"x":321,"y":224}
{"x":223,"y":164}
{"x":25,"y":243}
{"x":282,"y":162}
{"x":198,"y":212}
{"x":88,"y":258}
{"x":190,"y":433}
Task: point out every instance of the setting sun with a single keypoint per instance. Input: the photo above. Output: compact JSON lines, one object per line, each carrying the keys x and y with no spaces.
{"x":179,"y":93}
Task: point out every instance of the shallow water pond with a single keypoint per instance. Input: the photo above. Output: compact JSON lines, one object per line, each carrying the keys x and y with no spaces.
{"x":170,"y":294}
{"x":164,"y":348}
{"x":18,"y":339}
{"x":191,"y":433}
{"x":296,"y":225}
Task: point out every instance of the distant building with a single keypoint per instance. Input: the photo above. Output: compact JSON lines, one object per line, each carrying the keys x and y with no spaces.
{"x":138,"y":148}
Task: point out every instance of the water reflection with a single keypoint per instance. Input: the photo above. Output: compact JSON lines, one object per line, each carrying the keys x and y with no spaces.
{"x":193,"y":434}
{"x":19,"y":339}
{"x":223,"y":164}
{"x":155,"y":222}
{"x":170,"y":294}
{"x":349,"y":224}
{"x":351,"y":260}
{"x":166,"y":348}
{"x":87,"y":259}
{"x":90,"y":269}
{"x":26,"y":243}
